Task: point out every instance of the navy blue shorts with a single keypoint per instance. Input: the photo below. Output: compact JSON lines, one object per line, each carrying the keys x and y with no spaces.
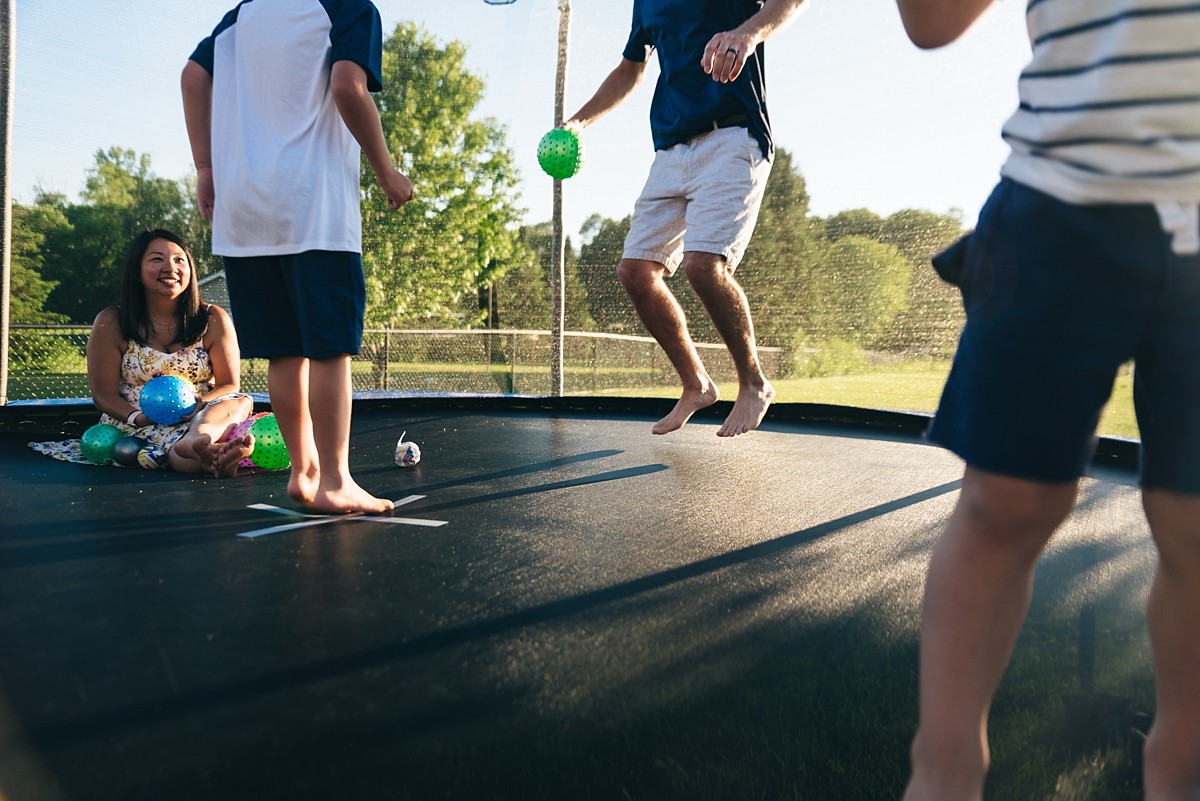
{"x":1058,"y":297}
{"x":309,"y":304}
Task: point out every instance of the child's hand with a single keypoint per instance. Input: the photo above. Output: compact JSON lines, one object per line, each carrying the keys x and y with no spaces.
{"x":397,"y":187}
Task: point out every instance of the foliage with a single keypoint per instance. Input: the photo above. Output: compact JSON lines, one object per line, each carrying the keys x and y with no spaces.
{"x":608,"y":305}
{"x":29,"y":290}
{"x":429,"y":261}
{"x":834,"y":357}
{"x":121,"y":197}
{"x":864,"y":285}
{"x":521,"y":298}
{"x":931,"y":323}
{"x":523,"y":295}
{"x":779,"y":272}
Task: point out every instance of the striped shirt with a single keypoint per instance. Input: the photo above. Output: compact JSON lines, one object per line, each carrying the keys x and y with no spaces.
{"x":1110,"y":103}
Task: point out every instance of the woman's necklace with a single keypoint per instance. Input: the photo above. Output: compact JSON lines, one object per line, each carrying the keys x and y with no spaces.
{"x":162,"y":330}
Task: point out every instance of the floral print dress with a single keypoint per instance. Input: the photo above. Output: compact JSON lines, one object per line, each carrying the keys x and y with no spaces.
{"x":140,"y":364}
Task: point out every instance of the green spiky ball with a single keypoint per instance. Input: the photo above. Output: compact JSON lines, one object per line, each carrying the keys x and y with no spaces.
{"x":269,"y":451}
{"x":97,"y":442}
{"x":560,"y":153}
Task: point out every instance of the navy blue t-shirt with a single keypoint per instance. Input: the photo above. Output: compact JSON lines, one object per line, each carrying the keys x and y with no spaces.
{"x":687,"y":101}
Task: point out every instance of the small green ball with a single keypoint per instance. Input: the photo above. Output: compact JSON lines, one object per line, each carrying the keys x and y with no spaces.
{"x":97,"y":442}
{"x":270,"y":452}
{"x":560,"y":153}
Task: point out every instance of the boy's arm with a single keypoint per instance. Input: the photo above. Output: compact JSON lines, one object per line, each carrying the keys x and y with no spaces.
{"x":727,"y":52}
{"x":196,"y":84}
{"x":349,"y":87}
{"x":933,"y":23}
{"x":619,"y":84}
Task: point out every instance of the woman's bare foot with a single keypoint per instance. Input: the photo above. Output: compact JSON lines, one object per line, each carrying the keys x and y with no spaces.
{"x":347,"y":497}
{"x":230,"y":454}
{"x":748,"y":410}
{"x":690,"y":402}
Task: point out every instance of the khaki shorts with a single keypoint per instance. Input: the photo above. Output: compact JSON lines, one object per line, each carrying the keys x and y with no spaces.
{"x":709,"y":188}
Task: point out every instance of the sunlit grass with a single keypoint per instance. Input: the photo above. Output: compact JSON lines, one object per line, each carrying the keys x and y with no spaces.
{"x":913,"y":388}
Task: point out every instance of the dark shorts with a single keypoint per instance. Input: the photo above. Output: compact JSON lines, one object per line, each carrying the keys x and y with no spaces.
{"x":1058,"y":297}
{"x":310,"y":304}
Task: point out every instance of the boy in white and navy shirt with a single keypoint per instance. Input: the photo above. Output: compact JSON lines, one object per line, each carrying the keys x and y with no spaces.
{"x":278,"y":109}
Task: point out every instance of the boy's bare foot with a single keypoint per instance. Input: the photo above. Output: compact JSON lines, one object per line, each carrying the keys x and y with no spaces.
{"x":347,"y":498}
{"x":302,"y":485}
{"x":748,"y":410}
{"x":690,"y":402}
{"x":230,"y":454}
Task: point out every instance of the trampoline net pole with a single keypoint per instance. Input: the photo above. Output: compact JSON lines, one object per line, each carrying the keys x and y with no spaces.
{"x":8,"y":17}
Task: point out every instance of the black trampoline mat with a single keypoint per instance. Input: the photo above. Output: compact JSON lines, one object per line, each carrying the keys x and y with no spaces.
{"x":588,"y":611}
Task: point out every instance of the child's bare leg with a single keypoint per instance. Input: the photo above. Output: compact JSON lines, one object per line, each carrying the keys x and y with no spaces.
{"x":1172,"y":759}
{"x":976,"y":597}
{"x":330,"y":399}
{"x":288,"y":381}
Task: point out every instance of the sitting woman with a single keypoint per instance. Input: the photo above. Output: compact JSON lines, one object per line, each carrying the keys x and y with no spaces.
{"x":161,"y":327}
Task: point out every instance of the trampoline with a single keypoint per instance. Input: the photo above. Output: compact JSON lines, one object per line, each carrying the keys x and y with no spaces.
{"x":564,"y":607}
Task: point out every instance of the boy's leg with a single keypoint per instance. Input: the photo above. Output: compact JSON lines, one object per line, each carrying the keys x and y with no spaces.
{"x":663,"y":317}
{"x":288,"y":382}
{"x":726,"y":304}
{"x":329,"y":404}
{"x":976,"y":597}
{"x":1172,"y":759}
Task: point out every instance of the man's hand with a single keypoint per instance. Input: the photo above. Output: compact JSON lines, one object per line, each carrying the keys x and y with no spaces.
{"x":726,"y":54}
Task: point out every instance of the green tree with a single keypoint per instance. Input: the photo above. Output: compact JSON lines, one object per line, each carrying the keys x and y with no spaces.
{"x":29,"y":290}
{"x":779,"y":271}
{"x":121,"y":197}
{"x":524,"y":295}
{"x":608,"y":304}
{"x":428,"y":262}
{"x":521,"y":297}
{"x":934,"y":317}
{"x":864,"y":285}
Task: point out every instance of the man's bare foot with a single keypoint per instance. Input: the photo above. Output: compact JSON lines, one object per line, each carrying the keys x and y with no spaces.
{"x":230,"y":454}
{"x":748,"y":410}
{"x":690,"y":402}
{"x":347,"y":498}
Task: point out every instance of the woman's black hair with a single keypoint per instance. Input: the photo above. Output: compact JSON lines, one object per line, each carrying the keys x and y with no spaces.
{"x":191,"y":317}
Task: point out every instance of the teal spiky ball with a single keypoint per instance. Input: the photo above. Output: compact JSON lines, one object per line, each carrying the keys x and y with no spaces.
{"x":269,"y":451}
{"x":560,"y":153}
{"x":97,"y":442}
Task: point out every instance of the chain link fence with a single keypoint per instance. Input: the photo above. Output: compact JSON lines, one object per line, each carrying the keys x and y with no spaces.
{"x":50,"y":362}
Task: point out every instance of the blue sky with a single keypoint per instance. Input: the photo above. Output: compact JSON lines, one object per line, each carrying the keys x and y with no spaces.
{"x":871,"y":121}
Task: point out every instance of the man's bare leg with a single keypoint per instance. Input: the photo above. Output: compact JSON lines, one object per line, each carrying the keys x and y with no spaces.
{"x":723,"y":298}
{"x":661,"y":314}
{"x":977,"y":593}
{"x":330,"y":399}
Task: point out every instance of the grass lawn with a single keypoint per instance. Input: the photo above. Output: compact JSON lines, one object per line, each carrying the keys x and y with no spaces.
{"x":909,"y":387}
{"x":915,"y":389}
